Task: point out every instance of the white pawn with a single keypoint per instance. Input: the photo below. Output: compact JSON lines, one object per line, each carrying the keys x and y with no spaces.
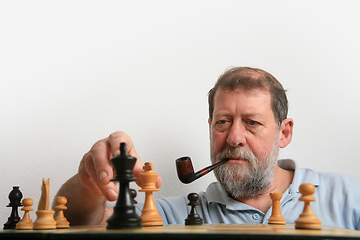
{"x":61,"y":221}
{"x":26,"y":222}
{"x":307,"y":220}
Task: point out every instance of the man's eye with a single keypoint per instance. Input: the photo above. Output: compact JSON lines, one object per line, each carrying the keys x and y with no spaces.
{"x":253,"y":123}
{"x":222,"y":125}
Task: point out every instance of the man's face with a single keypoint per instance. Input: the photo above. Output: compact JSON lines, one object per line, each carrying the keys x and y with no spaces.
{"x":243,"y":128}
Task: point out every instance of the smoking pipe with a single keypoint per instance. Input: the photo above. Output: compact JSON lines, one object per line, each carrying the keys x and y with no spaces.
{"x":186,"y":173}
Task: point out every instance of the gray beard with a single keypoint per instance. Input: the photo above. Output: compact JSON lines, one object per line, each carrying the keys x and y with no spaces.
{"x":246,"y":182}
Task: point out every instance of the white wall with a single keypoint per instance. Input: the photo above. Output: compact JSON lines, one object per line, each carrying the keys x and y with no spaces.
{"x":72,"y":72}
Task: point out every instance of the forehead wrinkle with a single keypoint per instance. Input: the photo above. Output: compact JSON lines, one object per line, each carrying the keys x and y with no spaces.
{"x":247,"y":108}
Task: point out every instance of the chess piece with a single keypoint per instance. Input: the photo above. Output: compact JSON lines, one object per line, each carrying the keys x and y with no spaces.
{"x":133,"y":195}
{"x":276,"y":216}
{"x":15,"y":197}
{"x":61,"y":221}
{"x":124,"y":215}
{"x":26,"y":223}
{"x":149,"y":214}
{"x":193,"y":218}
{"x":45,"y":216}
{"x":307,"y":220}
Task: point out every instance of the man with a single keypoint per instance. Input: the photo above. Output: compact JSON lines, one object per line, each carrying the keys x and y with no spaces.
{"x":248,"y":124}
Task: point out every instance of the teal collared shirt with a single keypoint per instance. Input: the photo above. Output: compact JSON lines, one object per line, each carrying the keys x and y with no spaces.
{"x":337,"y":202}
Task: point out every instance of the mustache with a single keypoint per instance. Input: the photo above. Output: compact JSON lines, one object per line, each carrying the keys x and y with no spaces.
{"x":236,"y":153}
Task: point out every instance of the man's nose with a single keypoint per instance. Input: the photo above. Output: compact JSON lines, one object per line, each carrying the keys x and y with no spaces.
{"x":237,"y":135}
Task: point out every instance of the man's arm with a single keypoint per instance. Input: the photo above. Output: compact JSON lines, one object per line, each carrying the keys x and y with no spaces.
{"x":89,"y":189}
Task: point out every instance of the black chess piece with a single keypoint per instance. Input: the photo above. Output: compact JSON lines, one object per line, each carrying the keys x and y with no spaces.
{"x":133,"y":194}
{"x":193,"y":218}
{"x":15,"y":197}
{"x":124,"y":215}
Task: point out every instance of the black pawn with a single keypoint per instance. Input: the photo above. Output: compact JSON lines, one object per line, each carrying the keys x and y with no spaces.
{"x":124,"y":215}
{"x":15,"y":197}
{"x":193,"y":218}
{"x":133,"y":194}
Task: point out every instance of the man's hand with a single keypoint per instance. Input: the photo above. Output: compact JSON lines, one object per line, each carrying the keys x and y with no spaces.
{"x":95,"y":169}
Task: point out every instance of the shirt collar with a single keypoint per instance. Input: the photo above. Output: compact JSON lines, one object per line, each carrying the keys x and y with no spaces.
{"x":302,"y":175}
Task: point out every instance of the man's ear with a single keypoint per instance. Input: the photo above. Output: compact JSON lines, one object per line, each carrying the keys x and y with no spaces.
{"x":286,"y":132}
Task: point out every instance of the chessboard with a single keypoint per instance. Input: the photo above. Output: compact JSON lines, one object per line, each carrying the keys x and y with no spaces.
{"x":182,"y":231}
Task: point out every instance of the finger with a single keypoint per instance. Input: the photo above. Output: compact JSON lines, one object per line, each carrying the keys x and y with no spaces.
{"x":88,"y":177}
{"x":100,"y":154}
{"x":137,"y":170}
{"x":158,"y":182}
{"x":116,"y":138}
{"x":84,"y":175}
